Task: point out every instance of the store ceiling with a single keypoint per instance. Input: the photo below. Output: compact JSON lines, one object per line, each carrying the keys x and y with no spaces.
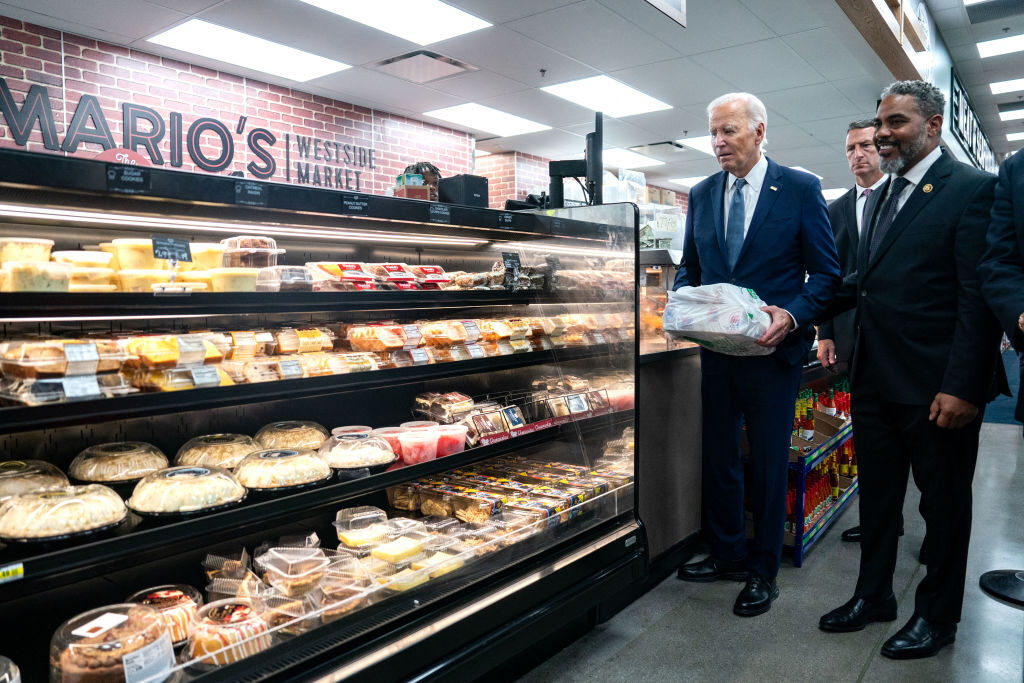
{"x":803,"y":57}
{"x":991,"y":20}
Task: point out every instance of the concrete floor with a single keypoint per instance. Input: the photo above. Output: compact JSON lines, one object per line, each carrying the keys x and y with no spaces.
{"x":687,"y":632}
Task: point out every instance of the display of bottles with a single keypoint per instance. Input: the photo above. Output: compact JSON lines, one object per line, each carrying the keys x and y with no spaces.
{"x":821,"y":491}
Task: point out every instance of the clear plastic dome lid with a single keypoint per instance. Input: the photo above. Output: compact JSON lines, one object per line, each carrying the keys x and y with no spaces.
{"x":177,"y":604}
{"x":292,"y":434}
{"x":216,"y":450}
{"x":228,"y":630}
{"x":250,"y":242}
{"x":25,"y":476}
{"x":294,"y":571}
{"x":59,"y":513}
{"x":284,"y":278}
{"x":186,"y":488}
{"x":282,"y":467}
{"x":357,"y":450}
{"x":102,"y":643}
{"x":117,"y":461}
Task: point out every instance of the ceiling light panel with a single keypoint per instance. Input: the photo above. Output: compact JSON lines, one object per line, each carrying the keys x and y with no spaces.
{"x":1001,"y":46}
{"x":688,"y":182}
{"x":487,"y":119}
{"x":1011,"y":115}
{"x":1013,"y":137}
{"x":606,"y":95}
{"x":208,"y":40}
{"x":701,"y":143}
{"x":421,"y":21}
{"x":834,"y":193}
{"x":623,"y":158}
{"x":1002,"y":87}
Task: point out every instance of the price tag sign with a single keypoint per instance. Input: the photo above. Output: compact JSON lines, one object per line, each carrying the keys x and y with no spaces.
{"x":83,"y":386}
{"x":128,"y":179}
{"x":191,"y":350}
{"x":504,"y":219}
{"x":412,"y":336}
{"x":82,"y":358}
{"x":250,"y":193}
{"x":419,"y":356}
{"x":599,"y":338}
{"x":355,"y":204}
{"x":475,"y":351}
{"x":205,"y":376}
{"x":171,"y":249}
{"x":472,"y":331}
{"x":290,"y":369}
{"x":513,"y":265}
{"x":152,"y":662}
{"x":439,"y":213}
{"x":12,"y":572}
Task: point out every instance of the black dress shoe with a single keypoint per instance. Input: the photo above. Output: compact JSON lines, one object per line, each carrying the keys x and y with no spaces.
{"x":711,"y":569}
{"x":858,"y":613}
{"x":853,"y":534}
{"x":756,"y":597}
{"x":918,"y":639}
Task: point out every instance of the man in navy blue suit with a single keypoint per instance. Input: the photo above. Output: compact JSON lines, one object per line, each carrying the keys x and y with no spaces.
{"x":765,"y":227}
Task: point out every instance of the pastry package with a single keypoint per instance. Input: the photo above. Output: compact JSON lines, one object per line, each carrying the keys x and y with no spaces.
{"x":60,"y":513}
{"x":27,"y":249}
{"x":111,"y":643}
{"x":482,"y":537}
{"x":292,"y":434}
{"x":464,"y":503}
{"x":32,"y":276}
{"x":226,"y":565}
{"x":354,"y":450}
{"x":288,"y":340}
{"x":494,"y":330}
{"x":60,"y":357}
{"x":338,"y":596}
{"x":359,"y":362}
{"x":316,"y":365}
{"x":345,"y":277}
{"x":185,"y":489}
{"x":294,"y":571}
{"x":250,"y":251}
{"x":446,"y":408}
{"x":28,"y":476}
{"x":376,"y":338}
{"x":444,"y":332}
{"x":177,"y":604}
{"x":287,"y":616}
{"x":282,"y":468}
{"x":119,"y":461}
{"x":154,"y":352}
{"x":248,"y":587}
{"x":177,"y":379}
{"x":393,"y":275}
{"x":17,"y":391}
{"x":404,"y":497}
{"x":284,"y":279}
{"x":362,"y":527}
{"x":430,"y":277}
{"x":227,"y":631}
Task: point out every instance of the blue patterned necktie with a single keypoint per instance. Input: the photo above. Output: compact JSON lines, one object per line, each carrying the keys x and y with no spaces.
{"x":888,"y":214}
{"x":734,"y":227}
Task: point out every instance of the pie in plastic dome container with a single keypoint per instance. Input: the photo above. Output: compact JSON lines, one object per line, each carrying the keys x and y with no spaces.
{"x":117,"y":462}
{"x":177,"y":604}
{"x":60,"y":514}
{"x":216,"y":450}
{"x":226,"y":631}
{"x":292,"y":434}
{"x":358,"y":450}
{"x":282,"y":468}
{"x":186,"y":489}
{"x":27,"y":476}
{"x":100,"y":645}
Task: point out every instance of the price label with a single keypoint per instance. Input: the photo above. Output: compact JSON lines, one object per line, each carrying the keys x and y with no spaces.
{"x":439,"y":213}
{"x":419,"y":356}
{"x":290,"y":369}
{"x":599,"y":338}
{"x":12,"y":572}
{"x":264,"y":338}
{"x":250,"y":193}
{"x":505,"y":219}
{"x":512,"y":261}
{"x":494,"y":438}
{"x":205,"y":376}
{"x":475,"y":351}
{"x":355,"y":204}
{"x":472,"y":331}
{"x":152,"y":662}
{"x":191,"y":350}
{"x":171,"y":249}
{"x":556,"y":225}
{"x":83,"y":386}
{"x":128,"y":179}
{"x":81,"y":353}
{"x":412,"y":336}
{"x":100,"y":625}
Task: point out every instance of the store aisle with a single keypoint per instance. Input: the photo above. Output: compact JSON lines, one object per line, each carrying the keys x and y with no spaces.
{"x":687,"y":632}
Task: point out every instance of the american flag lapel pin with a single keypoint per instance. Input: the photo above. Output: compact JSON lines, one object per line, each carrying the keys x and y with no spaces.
{"x":773,"y":188}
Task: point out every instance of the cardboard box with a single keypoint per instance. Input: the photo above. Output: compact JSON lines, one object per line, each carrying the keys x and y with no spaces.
{"x":826,"y":424}
{"x":653,"y":195}
{"x":846,"y":482}
{"x":413,"y":192}
{"x":668,"y":197}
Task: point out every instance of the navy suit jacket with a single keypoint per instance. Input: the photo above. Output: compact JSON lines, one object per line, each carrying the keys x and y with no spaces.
{"x":788,"y":256}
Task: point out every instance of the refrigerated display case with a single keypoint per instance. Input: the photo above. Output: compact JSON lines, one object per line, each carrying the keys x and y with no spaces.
{"x":519,"y":327}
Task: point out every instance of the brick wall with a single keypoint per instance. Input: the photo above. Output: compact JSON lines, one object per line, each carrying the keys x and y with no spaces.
{"x":500,"y":171}
{"x":71,"y":66}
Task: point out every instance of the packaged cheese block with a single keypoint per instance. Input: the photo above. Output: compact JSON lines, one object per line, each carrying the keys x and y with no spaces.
{"x":27,"y":249}
{"x":92,"y":288}
{"x":32,"y":276}
{"x":402,"y":548}
{"x":407,"y":579}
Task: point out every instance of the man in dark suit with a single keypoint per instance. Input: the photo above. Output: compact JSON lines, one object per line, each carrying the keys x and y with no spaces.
{"x":925,"y":353}
{"x":762,"y":226}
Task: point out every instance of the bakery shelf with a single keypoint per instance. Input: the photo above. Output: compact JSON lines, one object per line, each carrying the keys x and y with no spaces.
{"x":22,"y":418}
{"x":44,"y":566}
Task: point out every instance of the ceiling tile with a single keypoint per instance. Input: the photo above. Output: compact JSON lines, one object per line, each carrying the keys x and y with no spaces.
{"x":116,"y":21}
{"x":501,"y":11}
{"x":616,"y":133}
{"x":821,"y":49}
{"x":714,"y":24}
{"x":759,"y":67}
{"x":783,"y":137}
{"x":541,"y":107}
{"x":549,"y":144}
{"x":478,"y":85}
{"x":810,"y":103}
{"x":831,"y":132}
{"x":862,"y":92}
{"x":186,"y":6}
{"x":650,"y":19}
{"x":374,"y":89}
{"x":676,"y":81}
{"x":785,"y":16}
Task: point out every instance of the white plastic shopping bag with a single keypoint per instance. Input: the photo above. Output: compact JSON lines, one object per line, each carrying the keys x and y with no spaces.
{"x":724,"y":318}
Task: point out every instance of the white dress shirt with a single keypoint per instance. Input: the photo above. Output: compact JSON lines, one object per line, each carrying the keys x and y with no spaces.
{"x":862,"y":200}
{"x":751,"y":191}
{"x":915,"y":174}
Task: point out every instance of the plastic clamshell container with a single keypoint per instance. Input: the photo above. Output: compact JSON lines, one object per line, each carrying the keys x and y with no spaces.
{"x":465,"y":504}
{"x":250,"y":251}
{"x":284,"y":279}
{"x":186,"y":488}
{"x":282,"y":468}
{"x":138,"y":280}
{"x":56,"y":358}
{"x":359,"y":449}
{"x":31,"y":392}
{"x":177,"y":604}
{"x":227,"y":631}
{"x":294,"y":571}
{"x":94,"y":646}
{"x":376,"y":338}
{"x":444,"y":408}
{"x":205,"y":255}
{"x":404,"y":497}
{"x":401,"y":547}
{"x":28,"y":249}
{"x":173,"y":379}
{"x":436,"y":524}
{"x":18,"y":477}
{"x":359,"y":362}
{"x":233,"y":279}
{"x":292,"y":434}
{"x":36,"y":276}
{"x":119,"y":461}
{"x":444,"y":333}
{"x":81,"y":275}
{"x":481,"y":538}
{"x":83,"y":259}
{"x":351,"y":429}
{"x":363,"y":526}
{"x":60,"y":513}
{"x":136,"y":254}
{"x":494,"y":330}
{"x":400,"y":526}
{"x":338,"y":596}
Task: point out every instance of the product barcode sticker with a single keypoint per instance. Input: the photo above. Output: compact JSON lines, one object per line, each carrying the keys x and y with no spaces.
{"x":150,"y":664}
{"x":205,"y":376}
{"x":419,"y":356}
{"x":475,"y":351}
{"x":290,"y":369}
{"x":412,"y":335}
{"x":472,"y":331}
{"x":100,"y":625}
{"x":264,"y":337}
{"x":80,"y":387}
{"x":82,"y":358}
{"x":12,"y":572}
{"x":191,"y":349}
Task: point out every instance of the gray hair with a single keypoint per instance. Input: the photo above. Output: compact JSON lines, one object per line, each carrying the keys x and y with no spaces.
{"x":930,"y":100}
{"x":858,"y":125}
{"x":756,"y":112}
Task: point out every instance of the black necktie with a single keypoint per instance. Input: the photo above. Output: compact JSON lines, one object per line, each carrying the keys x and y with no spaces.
{"x":888,"y":214}
{"x":864,"y":210}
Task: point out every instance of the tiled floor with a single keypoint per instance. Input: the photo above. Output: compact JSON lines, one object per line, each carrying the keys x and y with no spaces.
{"x":687,"y":632}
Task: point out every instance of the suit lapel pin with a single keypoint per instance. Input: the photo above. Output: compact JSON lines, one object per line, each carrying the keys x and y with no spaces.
{"x":773,"y":188}
{"x":927,"y":188}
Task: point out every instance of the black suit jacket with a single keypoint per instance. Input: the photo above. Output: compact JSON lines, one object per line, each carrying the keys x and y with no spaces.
{"x":922,"y":326}
{"x":1002,"y":267}
{"x":842,"y":214}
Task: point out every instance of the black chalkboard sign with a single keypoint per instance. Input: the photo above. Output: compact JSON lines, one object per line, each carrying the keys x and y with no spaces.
{"x":250,"y":193}
{"x":126,"y":179}
{"x":355,"y":204}
{"x":171,"y":248}
{"x":439,"y":213}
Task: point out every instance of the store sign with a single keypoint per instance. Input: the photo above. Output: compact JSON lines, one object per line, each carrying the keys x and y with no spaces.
{"x":967,"y":128}
{"x":308,"y":160}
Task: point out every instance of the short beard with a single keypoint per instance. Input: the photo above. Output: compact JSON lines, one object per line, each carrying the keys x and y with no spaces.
{"x":913,"y":148}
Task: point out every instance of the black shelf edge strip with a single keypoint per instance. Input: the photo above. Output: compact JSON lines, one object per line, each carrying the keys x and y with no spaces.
{"x":46,"y":566}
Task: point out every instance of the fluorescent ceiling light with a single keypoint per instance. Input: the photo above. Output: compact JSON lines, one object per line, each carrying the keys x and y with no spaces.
{"x":1011,"y":115}
{"x":623,"y":158}
{"x":968,"y":3}
{"x":801,"y":168}
{"x":688,"y":182}
{"x":208,"y":40}
{"x":1001,"y":87}
{"x":701,"y":143}
{"x":1013,"y":137}
{"x":487,"y":119}
{"x":481,"y":153}
{"x":606,"y":95}
{"x":834,"y":193}
{"x":420,"y":21}
{"x":1001,"y":46}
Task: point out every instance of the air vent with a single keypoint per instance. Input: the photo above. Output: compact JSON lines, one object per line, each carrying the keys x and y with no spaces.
{"x":423,"y":66}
